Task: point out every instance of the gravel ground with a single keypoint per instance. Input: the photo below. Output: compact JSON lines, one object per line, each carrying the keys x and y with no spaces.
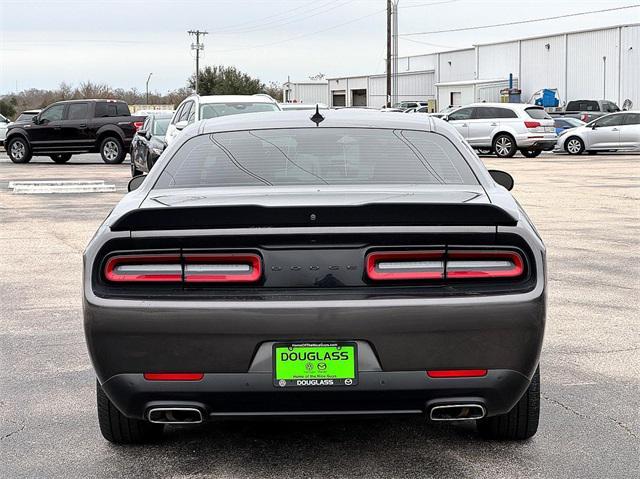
{"x":586,"y":209}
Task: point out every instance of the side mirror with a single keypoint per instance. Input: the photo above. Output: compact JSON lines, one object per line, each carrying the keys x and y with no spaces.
{"x":445,"y":118}
{"x":35,"y":120}
{"x":181,"y":124}
{"x":135,"y":182}
{"x":502,"y":178}
{"x":143,"y":133}
{"x":594,"y":126}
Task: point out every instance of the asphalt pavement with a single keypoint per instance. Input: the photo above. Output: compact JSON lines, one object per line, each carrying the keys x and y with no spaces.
{"x":587,"y":210}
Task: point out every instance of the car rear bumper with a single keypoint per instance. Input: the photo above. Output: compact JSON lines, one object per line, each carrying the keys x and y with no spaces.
{"x":253,"y":394}
{"x":538,"y":144}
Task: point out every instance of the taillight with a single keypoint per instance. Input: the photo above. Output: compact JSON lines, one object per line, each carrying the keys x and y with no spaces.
{"x":222,"y":268}
{"x":452,"y":264}
{"x":138,"y":124}
{"x":484,"y":264}
{"x":405,"y":265}
{"x":585,"y":117}
{"x":532,"y":124}
{"x":144,"y":268}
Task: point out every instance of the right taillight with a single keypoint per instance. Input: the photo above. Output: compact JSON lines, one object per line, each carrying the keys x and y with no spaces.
{"x":467,"y":264}
{"x":436,"y":264}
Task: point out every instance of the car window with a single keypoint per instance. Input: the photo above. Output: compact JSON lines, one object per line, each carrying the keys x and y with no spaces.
{"x":461,"y":114}
{"x":122,"y":109}
{"x":160,"y":126}
{"x":632,"y":119}
{"x":52,"y":114}
{"x":213,"y":110}
{"x":146,"y":124}
{"x":184,"y":116}
{"x":106,"y":109}
{"x":609,"y":107}
{"x":537,"y":113}
{"x":310,"y":156}
{"x":583,"y":105}
{"x":78,"y":111}
{"x":176,"y":117}
{"x":610,"y":120}
{"x":192,"y":115}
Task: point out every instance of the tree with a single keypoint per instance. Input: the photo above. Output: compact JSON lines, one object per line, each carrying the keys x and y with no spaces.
{"x":221,"y":80}
{"x":8,"y":106}
{"x":274,"y":90}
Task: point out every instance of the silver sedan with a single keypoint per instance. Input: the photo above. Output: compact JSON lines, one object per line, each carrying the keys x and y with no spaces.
{"x":617,"y":131}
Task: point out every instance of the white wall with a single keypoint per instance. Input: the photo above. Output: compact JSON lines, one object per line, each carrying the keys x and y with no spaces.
{"x":418,"y":63}
{"x":585,"y":70}
{"x":347,"y":85}
{"x":308,"y":92}
{"x":462,"y":67}
{"x":497,"y":61}
{"x":630,"y":66}
{"x":411,"y":86}
{"x":543,"y":67}
{"x":444,"y":95}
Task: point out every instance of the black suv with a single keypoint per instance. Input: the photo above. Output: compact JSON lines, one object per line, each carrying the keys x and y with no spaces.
{"x":76,"y":126}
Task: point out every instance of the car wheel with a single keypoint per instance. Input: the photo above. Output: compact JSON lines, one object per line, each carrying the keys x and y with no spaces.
{"x":530,"y":153}
{"x":19,"y":150}
{"x":112,"y":151}
{"x":519,"y":423}
{"x":119,"y":429}
{"x":504,"y":146}
{"x":61,"y":157}
{"x":574,"y":145}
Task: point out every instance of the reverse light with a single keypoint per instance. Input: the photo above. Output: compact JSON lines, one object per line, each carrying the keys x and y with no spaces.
{"x":405,"y":265}
{"x":222,"y":268}
{"x":173,"y":376}
{"x":457,"y":373}
{"x":144,"y":268}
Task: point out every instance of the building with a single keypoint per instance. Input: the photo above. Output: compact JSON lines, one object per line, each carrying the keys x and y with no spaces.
{"x":590,"y":64}
{"x":305,"y":92}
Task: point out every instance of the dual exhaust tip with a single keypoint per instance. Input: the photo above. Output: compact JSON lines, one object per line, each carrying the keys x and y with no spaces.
{"x":175,"y":415}
{"x":457,"y":412}
{"x":193,"y":415}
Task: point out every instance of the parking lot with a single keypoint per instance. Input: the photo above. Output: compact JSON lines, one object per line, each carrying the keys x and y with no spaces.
{"x":586,"y":209}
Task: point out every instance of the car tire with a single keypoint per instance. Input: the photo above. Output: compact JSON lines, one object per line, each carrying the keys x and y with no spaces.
{"x":19,"y":150}
{"x":119,"y":429}
{"x":530,"y":153}
{"x":521,"y":422}
{"x":504,"y":145}
{"x":574,"y":145}
{"x":60,"y":157}
{"x":134,"y":170}
{"x":112,"y":151}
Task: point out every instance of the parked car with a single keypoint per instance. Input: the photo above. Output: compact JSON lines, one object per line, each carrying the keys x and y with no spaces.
{"x":587,"y":110}
{"x":504,"y":128}
{"x":341,"y":263}
{"x":403,"y":105}
{"x":146,"y":113}
{"x":77,"y":126}
{"x":148,"y":143}
{"x":613,"y":132}
{"x":566,"y":123}
{"x":420,"y":109}
{"x":195,"y":108}
{"x":27,"y":116}
{"x":4,"y":123}
{"x":302,"y":106}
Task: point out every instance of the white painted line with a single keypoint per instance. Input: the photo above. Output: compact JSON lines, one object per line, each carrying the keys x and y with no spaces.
{"x":13,"y":184}
{"x":46,"y":189}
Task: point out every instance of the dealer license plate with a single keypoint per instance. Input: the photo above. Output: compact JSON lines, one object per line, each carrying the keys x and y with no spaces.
{"x":315,"y":364}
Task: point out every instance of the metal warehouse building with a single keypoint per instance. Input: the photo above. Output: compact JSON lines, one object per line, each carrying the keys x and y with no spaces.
{"x":590,"y":64}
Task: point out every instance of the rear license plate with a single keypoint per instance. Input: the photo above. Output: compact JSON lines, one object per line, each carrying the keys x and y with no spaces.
{"x":315,"y":364}
{"x":550,"y":129}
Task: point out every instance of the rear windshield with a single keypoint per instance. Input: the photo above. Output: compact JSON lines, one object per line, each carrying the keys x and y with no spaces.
{"x":316,"y":156}
{"x":213,"y":110}
{"x":537,"y":113}
{"x":583,"y":105}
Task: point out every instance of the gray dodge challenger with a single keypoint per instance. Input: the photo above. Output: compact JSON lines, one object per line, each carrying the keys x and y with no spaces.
{"x":316,"y":264}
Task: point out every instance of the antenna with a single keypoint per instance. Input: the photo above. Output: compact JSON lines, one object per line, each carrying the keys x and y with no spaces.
{"x":317,"y":117}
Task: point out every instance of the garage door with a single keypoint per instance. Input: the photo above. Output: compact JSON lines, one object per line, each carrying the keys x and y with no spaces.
{"x":338,"y":99}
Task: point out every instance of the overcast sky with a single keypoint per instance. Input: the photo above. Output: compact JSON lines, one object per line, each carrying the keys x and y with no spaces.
{"x":46,"y":42}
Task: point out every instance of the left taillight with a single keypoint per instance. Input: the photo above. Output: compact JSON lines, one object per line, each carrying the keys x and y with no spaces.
{"x":187,"y":268}
{"x":450,"y":264}
{"x":144,"y":268}
{"x":138,"y":124}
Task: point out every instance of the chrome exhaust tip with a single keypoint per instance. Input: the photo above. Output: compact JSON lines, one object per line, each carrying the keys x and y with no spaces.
{"x":457,"y":412}
{"x":175,"y":415}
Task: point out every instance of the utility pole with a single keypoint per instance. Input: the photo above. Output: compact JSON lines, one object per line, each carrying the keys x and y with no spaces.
{"x":197,"y":46}
{"x":148,"y":78}
{"x":394,"y":66}
{"x":388,"y":53}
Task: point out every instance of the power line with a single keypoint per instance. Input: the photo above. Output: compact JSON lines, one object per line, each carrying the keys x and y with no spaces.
{"x":427,"y":4}
{"x":519,"y":22}
{"x":248,"y":22}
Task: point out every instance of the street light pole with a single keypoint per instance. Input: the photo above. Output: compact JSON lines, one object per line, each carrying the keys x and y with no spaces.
{"x":148,"y":78}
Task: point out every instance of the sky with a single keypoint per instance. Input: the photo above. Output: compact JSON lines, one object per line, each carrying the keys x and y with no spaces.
{"x":119,"y":42}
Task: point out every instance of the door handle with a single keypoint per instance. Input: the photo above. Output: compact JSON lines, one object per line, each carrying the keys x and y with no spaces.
{"x":464,"y":124}
{"x":614,"y":129}
{"x":82,"y":125}
{"x":494,"y":124}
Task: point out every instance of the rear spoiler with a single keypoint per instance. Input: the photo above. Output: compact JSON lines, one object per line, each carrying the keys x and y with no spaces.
{"x":255,"y":216}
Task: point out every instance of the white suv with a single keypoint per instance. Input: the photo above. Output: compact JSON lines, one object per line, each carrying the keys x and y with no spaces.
{"x":504,"y":128}
{"x":197,"y":107}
